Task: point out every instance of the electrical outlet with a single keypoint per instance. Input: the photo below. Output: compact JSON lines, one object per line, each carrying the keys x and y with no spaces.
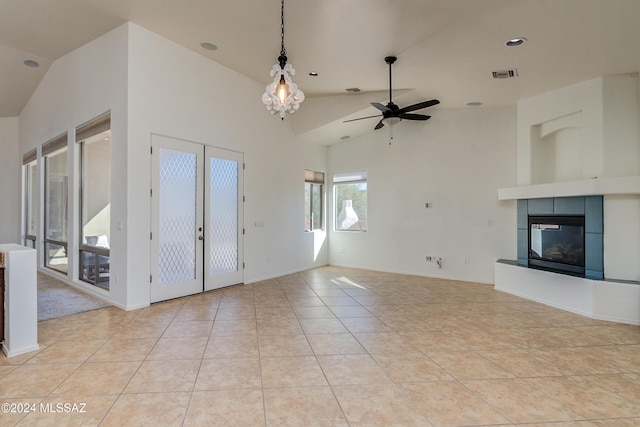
{"x":429,"y":258}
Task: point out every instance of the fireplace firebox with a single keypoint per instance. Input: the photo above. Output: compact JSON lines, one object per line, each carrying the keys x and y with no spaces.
{"x":556,"y":243}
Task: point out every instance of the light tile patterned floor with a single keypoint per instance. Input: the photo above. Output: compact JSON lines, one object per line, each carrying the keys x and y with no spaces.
{"x":330,"y":347}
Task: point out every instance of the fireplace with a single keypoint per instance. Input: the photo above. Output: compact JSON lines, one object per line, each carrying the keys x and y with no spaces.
{"x":557,"y":243}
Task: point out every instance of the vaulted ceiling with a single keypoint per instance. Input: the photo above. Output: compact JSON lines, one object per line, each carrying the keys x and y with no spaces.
{"x":446,"y":49}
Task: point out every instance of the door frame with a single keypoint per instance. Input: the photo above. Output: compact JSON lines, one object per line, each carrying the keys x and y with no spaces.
{"x":200,"y":282}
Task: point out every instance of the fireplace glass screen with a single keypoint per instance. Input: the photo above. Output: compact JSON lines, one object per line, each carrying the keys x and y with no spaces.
{"x":556,"y":243}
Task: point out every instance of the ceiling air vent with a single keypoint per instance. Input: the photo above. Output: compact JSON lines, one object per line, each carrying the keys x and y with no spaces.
{"x":505,"y":74}
{"x":353,"y":90}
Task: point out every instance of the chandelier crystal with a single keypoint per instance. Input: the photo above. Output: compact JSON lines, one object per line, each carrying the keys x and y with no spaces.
{"x":282,"y":94}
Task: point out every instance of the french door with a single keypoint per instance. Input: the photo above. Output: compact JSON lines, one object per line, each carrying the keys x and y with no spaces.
{"x":196,"y":218}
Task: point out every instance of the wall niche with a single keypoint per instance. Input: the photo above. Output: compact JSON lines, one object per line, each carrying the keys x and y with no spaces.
{"x":585,"y":131}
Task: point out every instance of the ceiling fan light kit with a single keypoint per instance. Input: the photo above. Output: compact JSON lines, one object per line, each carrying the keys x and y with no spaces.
{"x":390,"y":121}
{"x":282,"y":94}
{"x":391,"y":113}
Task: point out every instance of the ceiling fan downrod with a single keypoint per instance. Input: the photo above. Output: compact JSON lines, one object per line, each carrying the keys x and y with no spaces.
{"x":390,"y":60}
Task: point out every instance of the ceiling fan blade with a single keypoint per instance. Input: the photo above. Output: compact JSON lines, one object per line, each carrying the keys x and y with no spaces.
{"x":361,"y":118}
{"x":379,"y":125}
{"x":419,"y":106}
{"x":413,"y":116}
{"x":380,"y":107}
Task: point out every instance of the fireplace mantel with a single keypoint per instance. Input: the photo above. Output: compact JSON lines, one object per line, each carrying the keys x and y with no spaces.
{"x":588,"y":187}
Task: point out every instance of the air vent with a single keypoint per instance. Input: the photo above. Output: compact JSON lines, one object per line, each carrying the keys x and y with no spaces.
{"x":353,"y":90}
{"x":505,"y":74}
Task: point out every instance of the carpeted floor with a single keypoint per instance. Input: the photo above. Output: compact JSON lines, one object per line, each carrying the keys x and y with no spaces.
{"x":57,"y":299}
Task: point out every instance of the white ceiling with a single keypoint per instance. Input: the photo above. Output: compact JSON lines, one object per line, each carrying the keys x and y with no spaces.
{"x":446,"y":49}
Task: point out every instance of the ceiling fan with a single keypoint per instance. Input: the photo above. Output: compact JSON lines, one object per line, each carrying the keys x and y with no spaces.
{"x":391,"y":113}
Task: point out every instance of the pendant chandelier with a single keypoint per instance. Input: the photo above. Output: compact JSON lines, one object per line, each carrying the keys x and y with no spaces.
{"x":282,"y":94}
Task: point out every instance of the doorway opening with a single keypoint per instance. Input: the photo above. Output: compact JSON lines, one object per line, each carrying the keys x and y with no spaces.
{"x":196,"y":218}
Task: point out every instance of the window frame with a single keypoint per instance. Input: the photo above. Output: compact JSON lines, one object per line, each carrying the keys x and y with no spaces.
{"x":93,"y":260}
{"x":350,"y":178}
{"x":56,"y":147}
{"x":30,"y":202}
{"x":315,"y":180}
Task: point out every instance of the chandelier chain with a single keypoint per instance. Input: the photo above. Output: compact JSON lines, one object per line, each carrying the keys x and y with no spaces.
{"x":283,"y":51}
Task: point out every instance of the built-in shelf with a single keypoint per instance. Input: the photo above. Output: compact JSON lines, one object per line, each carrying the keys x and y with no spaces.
{"x":587,"y":187}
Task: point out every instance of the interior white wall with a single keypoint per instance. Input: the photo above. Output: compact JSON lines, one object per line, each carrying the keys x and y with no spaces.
{"x":177,"y":93}
{"x":10,"y":180}
{"x":152,"y":85}
{"x":77,"y":88}
{"x":565,"y":158}
{"x":455,"y":161}
{"x":622,"y":237}
{"x":604,"y":108}
{"x":621,"y":114}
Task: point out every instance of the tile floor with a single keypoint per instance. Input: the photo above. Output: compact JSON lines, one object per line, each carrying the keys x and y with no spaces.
{"x":329,"y":347}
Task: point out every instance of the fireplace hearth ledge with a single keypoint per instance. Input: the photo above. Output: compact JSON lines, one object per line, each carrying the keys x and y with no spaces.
{"x":615,"y":301}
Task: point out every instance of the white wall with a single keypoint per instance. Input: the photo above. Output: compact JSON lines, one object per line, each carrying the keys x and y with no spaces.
{"x":603,"y":113}
{"x":10,"y":180}
{"x":77,"y":88}
{"x":622,"y":237}
{"x":152,"y":85}
{"x":456,"y":161}
{"x":178,"y":93}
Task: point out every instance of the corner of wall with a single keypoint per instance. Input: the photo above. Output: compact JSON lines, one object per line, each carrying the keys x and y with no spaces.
{"x":11,"y":179}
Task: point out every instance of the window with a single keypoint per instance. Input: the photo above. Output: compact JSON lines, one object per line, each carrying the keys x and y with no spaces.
{"x":55,"y":204}
{"x":95,"y":200}
{"x":350,"y":201}
{"x":30,"y":168}
{"x":313,"y":196}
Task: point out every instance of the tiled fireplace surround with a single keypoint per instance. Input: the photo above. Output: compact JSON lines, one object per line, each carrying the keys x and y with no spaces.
{"x":579,"y":153}
{"x":589,"y":206}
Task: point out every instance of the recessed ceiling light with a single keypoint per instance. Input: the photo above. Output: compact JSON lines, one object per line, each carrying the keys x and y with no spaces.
{"x":31,"y":63}
{"x":474,"y":104}
{"x":208,"y":46}
{"x":345,"y":137}
{"x":516,"y":42}
{"x":313,"y":74}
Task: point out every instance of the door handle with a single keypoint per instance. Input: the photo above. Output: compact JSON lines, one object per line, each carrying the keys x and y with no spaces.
{"x":200,"y":237}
